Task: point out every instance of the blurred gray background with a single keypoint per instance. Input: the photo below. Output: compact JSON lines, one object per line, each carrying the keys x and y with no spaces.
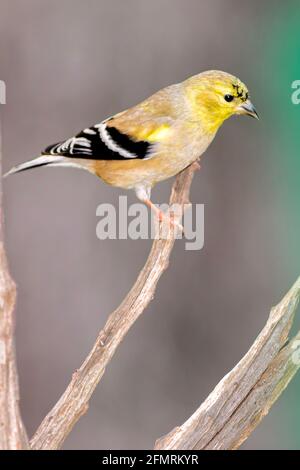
{"x":67,"y":65}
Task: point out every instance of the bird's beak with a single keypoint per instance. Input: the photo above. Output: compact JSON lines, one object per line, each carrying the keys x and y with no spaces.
{"x":248,"y":109}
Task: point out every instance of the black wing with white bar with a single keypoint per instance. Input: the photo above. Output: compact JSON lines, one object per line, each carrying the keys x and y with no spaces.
{"x":101,"y":142}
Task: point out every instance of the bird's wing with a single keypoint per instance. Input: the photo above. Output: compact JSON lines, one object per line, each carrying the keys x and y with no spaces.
{"x":132,"y":134}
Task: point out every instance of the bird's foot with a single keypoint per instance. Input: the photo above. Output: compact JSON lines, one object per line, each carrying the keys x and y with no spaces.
{"x":167,"y":220}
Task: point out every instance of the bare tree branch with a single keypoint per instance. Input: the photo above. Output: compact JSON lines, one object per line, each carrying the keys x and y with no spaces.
{"x":12,"y":431}
{"x":226,"y":418}
{"x":74,"y":402}
{"x":244,"y":396}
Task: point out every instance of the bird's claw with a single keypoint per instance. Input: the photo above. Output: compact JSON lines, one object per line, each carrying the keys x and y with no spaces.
{"x":170,"y":220}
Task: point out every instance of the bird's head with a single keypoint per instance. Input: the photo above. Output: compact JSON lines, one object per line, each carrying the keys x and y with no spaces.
{"x":215,"y":96}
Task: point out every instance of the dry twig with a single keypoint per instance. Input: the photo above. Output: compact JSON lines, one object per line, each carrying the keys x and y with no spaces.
{"x":12,"y":431}
{"x":244,"y":396}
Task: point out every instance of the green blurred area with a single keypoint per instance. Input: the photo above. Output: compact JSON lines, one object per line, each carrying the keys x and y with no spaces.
{"x":282,"y":56}
{"x":281,"y":59}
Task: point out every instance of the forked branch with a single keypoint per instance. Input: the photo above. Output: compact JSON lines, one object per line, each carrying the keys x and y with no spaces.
{"x":226,"y":418}
{"x":74,"y":402}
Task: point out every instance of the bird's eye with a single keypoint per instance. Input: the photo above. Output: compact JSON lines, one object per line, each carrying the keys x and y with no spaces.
{"x":228,"y":98}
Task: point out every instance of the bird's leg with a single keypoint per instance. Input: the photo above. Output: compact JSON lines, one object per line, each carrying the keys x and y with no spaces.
{"x":162,"y":216}
{"x":143,"y":193}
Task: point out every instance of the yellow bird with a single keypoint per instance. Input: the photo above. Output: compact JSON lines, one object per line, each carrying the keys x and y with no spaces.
{"x":155,"y":139}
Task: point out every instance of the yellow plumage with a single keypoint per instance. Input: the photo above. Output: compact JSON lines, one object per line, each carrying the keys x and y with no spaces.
{"x":155,"y":139}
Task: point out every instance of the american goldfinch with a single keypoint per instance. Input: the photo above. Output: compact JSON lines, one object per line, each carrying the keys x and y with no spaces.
{"x":155,"y":139}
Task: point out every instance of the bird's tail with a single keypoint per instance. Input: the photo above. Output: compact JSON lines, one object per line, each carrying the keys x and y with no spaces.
{"x":43,"y":160}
